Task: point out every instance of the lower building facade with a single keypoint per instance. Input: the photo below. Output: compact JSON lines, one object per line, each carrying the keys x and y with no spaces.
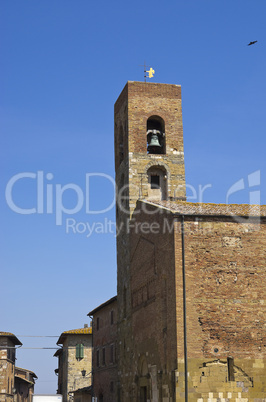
{"x":196,"y":327}
{"x":16,"y":384}
{"x":74,"y":363}
{"x":104,"y":360}
{"x":24,"y":385}
{"x":8,"y":343}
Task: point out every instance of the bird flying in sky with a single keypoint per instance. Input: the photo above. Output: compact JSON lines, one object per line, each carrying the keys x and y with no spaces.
{"x":252,"y":43}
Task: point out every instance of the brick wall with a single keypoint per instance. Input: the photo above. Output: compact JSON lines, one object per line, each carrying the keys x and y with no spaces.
{"x":225,"y":274}
{"x":153,"y":307}
{"x":225,"y":302}
{"x":136,"y":104}
{"x":225,"y":285}
{"x":105,"y":346}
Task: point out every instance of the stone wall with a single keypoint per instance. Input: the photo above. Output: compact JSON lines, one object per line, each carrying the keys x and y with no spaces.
{"x":7,"y":366}
{"x":72,"y":367}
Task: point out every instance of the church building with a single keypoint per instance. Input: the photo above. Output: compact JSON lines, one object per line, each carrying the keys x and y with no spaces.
{"x":191,"y":277}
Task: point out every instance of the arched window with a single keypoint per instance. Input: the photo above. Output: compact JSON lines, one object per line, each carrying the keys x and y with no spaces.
{"x":155,"y":135}
{"x":157,"y":183}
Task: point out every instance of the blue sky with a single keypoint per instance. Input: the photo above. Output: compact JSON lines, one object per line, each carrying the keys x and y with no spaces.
{"x":63,"y":64}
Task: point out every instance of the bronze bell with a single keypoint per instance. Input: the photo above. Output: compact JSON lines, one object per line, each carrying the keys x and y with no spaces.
{"x":154,"y":140}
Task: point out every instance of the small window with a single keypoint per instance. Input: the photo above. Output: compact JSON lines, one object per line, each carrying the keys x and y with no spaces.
{"x":98,"y":323}
{"x":112,"y":317}
{"x":230,"y":367}
{"x":121,"y":145}
{"x":103,"y":356}
{"x":79,"y":351}
{"x":11,"y":353}
{"x":125,"y":302}
{"x":98,"y":358}
{"x":111,"y":354}
{"x":155,"y":182}
{"x":111,"y":386}
{"x":158,"y":183}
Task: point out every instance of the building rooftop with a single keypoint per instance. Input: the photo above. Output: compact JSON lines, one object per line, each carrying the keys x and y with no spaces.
{"x":113,"y":299}
{"x":197,"y":208}
{"x":58,"y":352}
{"x":85,"y":390}
{"x":20,"y":369}
{"x":80,"y":331}
{"x":18,"y":377}
{"x":11,"y":336}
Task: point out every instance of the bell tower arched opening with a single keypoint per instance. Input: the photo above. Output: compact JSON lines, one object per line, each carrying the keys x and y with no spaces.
{"x":155,"y":135}
{"x":157,"y":183}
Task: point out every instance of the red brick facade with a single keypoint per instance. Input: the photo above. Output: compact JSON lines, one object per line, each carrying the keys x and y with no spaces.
{"x":104,"y":358}
{"x":225,"y":304}
{"x":212,"y":272}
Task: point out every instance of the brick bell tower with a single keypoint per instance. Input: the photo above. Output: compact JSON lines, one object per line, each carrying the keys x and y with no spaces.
{"x":149,"y":164}
{"x":149,"y":154}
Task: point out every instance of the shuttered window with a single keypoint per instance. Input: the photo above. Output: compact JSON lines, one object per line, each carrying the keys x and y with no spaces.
{"x":79,"y":351}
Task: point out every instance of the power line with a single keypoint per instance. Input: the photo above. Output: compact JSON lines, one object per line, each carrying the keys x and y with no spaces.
{"x":22,"y":347}
{"x":44,"y":347}
{"x":38,"y":336}
{"x":55,"y":380}
{"x":39,"y":348}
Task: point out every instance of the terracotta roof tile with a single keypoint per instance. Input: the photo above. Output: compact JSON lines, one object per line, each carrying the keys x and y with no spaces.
{"x":197,"y":208}
{"x":80,"y":331}
{"x":87,"y":330}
